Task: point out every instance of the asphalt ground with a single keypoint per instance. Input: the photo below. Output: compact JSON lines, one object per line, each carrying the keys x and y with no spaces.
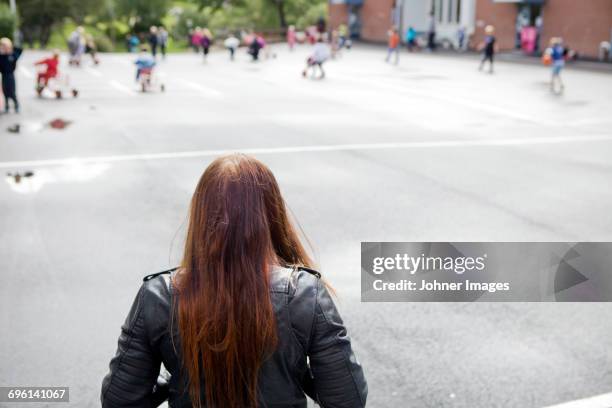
{"x":428,"y":150}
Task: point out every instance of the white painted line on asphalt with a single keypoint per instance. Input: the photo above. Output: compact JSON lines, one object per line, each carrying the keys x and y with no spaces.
{"x":120,"y":87}
{"x":486,"y":107}
{"x":200,"y":88}
{"x":124,"y":62}
{"x":310,"y":149}
{"x":468,"y":103}
{"x":25,"y":72}
{"x":599,"y":401}
{"x":483,"y":107}
{"x":93,"y":71}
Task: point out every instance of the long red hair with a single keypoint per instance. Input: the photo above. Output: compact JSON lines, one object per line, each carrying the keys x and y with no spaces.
{"x":238,"y":228}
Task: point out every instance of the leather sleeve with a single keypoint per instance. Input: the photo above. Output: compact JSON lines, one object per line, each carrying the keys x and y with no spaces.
{"x":338,"y":377}
{"x":134,"y":368}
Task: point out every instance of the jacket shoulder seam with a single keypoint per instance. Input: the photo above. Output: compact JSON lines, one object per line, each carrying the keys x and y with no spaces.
{"x":346,"y":362}
{"x":310,"y":271}
{"x":314,"y":315}
{"x":155,"y":275}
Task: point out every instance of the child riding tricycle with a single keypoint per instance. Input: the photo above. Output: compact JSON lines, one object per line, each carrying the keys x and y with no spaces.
{"x":49,"y":78}
{"x":145,"y":66}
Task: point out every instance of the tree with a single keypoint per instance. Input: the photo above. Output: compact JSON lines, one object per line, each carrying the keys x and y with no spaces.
{"x":216,"y":4}
{"x":280,"y":9}
{"x":38,"y":17}
{"x":299,"y":11}
{"x":265,"y":12}
{"x":142,"y":13}
{"x":7,"y":21}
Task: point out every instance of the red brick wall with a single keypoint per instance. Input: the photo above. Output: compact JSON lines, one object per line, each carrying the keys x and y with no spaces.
{"x":338,"y":14}
{"x":582,"y":24}
{"x":376,"y":19}
{"x":500,"y":15}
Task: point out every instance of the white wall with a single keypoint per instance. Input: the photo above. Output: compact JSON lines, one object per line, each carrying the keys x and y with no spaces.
{"x":416,"y":14}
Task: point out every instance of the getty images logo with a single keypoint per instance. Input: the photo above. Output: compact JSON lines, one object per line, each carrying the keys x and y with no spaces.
{"x":424,"y":263}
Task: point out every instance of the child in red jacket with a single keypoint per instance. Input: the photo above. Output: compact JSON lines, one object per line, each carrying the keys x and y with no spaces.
{"x":51,"y":71}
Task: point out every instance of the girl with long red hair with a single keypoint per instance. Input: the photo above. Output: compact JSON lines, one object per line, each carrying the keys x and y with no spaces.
{"x":243,"y":321}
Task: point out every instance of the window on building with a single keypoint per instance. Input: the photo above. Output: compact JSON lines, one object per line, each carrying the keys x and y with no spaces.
{"x":458,"y":11}
{"x":446,"y":11}
{"x":439,"y":10}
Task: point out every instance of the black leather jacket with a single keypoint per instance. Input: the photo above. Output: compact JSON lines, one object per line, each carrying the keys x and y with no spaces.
{"x":313,"y":357}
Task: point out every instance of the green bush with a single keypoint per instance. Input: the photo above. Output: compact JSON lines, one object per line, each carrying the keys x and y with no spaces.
{"x":60,"y":35}
{"x":7,"y":21}
{"x":188,"y":18}
{"x":312,"y":15}
{"x":103,"y":43}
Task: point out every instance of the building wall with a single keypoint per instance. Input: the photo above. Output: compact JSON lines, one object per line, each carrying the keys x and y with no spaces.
{"x":582,"y":24}
{"x":338,"y":14}
{"x":500,"y":15}
{"x":416,"y":14}
{"x":376,"y":16}
{"x":449,"y":20}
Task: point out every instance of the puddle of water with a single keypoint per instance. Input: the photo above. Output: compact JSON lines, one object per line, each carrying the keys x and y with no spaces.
{"x":17,"y":177}
{"x":25,"y":127}
{"x":28,"y":182}
{"x":16,"y":128}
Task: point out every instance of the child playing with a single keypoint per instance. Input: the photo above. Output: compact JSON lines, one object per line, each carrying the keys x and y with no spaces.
{"x":207,"y":39}
{"x":411,"y":38}
{"x":76,"y":45}
{"x":557,"y":54}
{"x":256,"y":45}
{"x":488,"y":47}
{"x":91,"y":49}
{"x":231,"y":43}
{"x":144,"y":64}
{"x":196,"y":39}
{"x":50,"y":64}
{"x":394,"y":41}
{"x":291,"y":37}
{"x":8,"y":63}
{"x":343,"y":35}
{"x":320,"y":54}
